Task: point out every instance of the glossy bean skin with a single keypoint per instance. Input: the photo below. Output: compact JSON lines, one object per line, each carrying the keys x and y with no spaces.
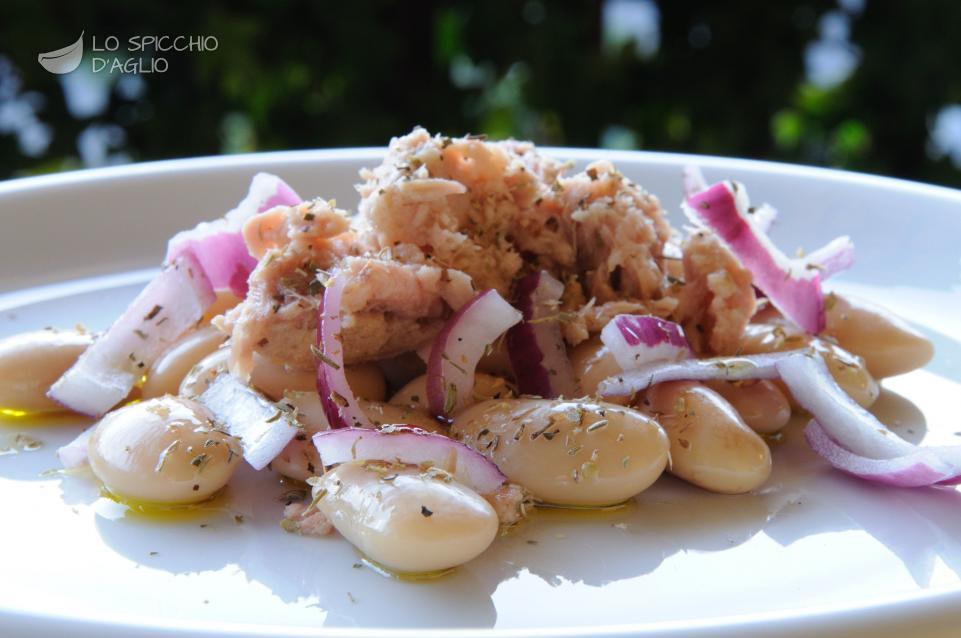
{"x":311,"y":414}
{"x":760,"y":404}
{"x":202,"y":374}
{"x":574,"y":453}
{"x":888,"y":345}
{"x":711,"y":447}
{"x":31,"y":362}
{"x":164,"y":451}
{"x":847,"y":369}
{"x":407,"y":521}
{"x":592,"y":363}
{"x":167,"y":372}
{"x":486,"y":386}
{"x":273,"y":379}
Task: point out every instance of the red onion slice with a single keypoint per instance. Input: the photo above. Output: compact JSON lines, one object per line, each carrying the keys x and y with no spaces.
{"x":219,"y":245}
{"x":764,"y":217}
{"x":172,"y":303}
{"x":853,"y":440}
{"x":264,"y":429}
{"x":919,"y":468}
{"x":692,"y":180}
{"x":854,"y":428}
{"x":834,"y":257}
{"x":340,"y":405}
{"x":411,"y":446}
{"x":637,"y":340}
{"x":460,"y":345}
{"x":535,"y":346}
{"x":849,"y":437}
{"x":756,"y":366}
{"x":224,"y":259}
{"x":74,"y":454}
{"x":793,"y":286}
{"x":266,"y":191}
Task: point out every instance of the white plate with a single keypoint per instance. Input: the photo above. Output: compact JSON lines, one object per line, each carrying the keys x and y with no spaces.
{"x":813,"y":553}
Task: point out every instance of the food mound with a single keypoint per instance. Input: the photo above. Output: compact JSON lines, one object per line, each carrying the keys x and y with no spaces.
{"x":487,"y":332}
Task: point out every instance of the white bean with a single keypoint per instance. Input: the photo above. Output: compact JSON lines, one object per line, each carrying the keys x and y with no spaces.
{"x":167,"y":372}
{"x":486,"y":386}
{"x":407,"y":521}
{"x":761,"y":404}
{"x":203,"y":374}
{"x":710,"y":446}
{"x":164,"y":451}
{"x":273,"y":379}
{"x":224,"y":301}
{"x":310,"y":413}
{"x":567,"y":452}
{"x":32,"y":361}
{"x":888,"y":345}
{"x":386,"y":414}
{"x":847,"y":369}
{"x":592,"y":363}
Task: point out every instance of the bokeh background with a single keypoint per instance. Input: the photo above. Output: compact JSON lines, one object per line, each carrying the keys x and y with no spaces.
{"x":867,"y":85}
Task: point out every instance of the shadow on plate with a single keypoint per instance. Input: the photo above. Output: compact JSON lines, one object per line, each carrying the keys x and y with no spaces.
{"x":803,"y":498}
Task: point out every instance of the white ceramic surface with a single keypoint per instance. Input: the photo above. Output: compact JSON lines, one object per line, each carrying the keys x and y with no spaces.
{"x":814,"y":553}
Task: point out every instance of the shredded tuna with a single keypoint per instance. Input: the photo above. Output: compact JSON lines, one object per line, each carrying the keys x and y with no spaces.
{"x":495,"y":209}
{"x":442,"y":218}
{"x":300,"y":518}
{"x":620,"y":234}
{"x":301,"y":228}
{"x":716,"y":300}
{"x":512,"y":504}
{"x":392,"y":307}
{"x":455,"y":201}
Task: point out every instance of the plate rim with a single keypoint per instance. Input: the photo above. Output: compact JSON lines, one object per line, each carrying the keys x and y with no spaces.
{"x":930,"y":604}
{"x":18,"y":185}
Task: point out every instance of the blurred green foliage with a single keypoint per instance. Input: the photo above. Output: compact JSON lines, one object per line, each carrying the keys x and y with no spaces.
{"x":729,"y":78}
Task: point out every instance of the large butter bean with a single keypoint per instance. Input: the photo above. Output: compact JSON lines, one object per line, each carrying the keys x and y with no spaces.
{"x":592,"y":363}
{"x":310,"y":413}
{"x":273,"y":379}
{"x":32,"y":361}
{"x":404,"y":520}
{"x":366,"y":379}
{"x":224,"y":301}
{"x":761,"y":404}
{"x":486,"y":386}
{"x":203,"y":374}
{"x":164,"y":451}
{"x":386,"y":414}
{"x":710,"y":446}
{"x":167,"y":372}
{"x":567,"y":452}
{"x":847,"y":369}
{"x":888,"y":345}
